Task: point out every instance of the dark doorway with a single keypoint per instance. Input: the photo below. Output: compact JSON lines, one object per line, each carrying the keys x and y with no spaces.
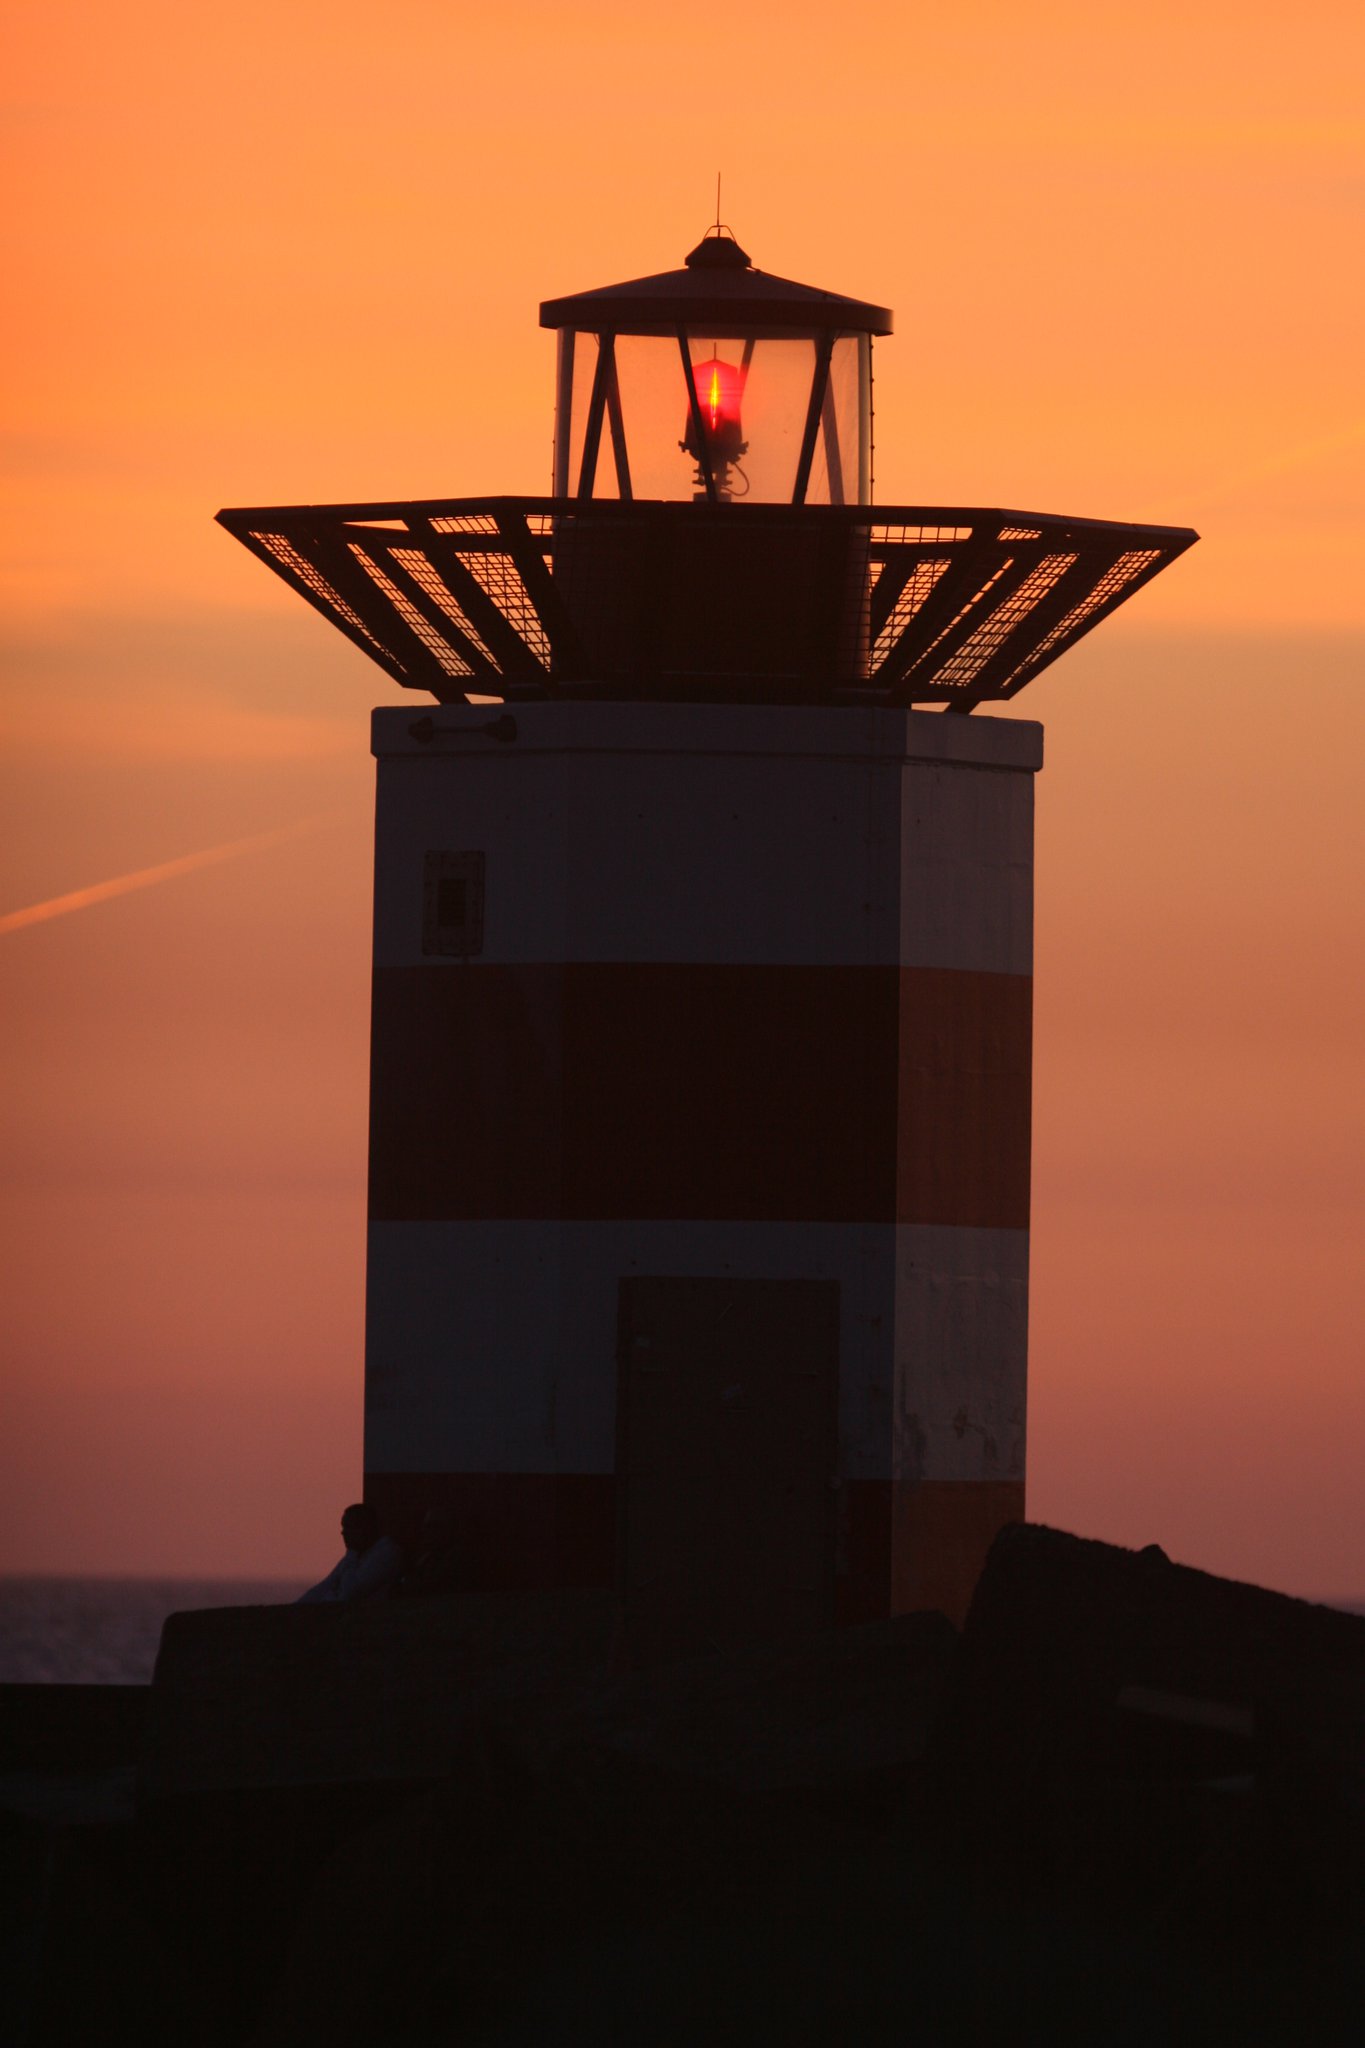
{"x":726,"y":1458}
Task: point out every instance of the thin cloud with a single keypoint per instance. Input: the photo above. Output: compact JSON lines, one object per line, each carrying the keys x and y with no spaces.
{"x":164,"y":871}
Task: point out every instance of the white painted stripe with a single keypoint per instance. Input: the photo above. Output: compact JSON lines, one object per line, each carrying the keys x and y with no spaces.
{"x":961,"y":1365}
{"x":789,"y":857}
{"x":491,"y":1347}
{"x":966,"y":872}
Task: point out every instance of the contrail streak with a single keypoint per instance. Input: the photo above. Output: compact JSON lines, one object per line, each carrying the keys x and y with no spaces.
{"x":1301,"y":457}
{"x":144,"y":878}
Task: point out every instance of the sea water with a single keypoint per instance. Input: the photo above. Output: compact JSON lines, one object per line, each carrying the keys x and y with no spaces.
{"x":96,"y":1631}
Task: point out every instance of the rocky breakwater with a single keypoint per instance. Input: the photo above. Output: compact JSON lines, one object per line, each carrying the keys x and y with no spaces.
{"x":1123,"y":1806}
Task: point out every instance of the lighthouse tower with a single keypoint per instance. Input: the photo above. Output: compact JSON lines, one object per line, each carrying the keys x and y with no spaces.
{"x":701,"y":1042}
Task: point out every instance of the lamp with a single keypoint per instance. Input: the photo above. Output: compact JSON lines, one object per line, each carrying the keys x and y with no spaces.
{"x":713,"y":436}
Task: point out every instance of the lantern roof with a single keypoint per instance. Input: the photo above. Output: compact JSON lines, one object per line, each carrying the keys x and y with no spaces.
{"x":717,"y":286}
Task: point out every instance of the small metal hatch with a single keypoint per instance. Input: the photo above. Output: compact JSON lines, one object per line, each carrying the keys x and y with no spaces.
{"x":452,"y":904}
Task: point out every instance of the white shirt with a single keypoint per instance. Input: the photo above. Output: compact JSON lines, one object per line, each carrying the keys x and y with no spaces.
{"x":359,"y":1573}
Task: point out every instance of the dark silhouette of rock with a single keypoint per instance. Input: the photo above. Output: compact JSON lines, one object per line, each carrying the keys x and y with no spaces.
{"x":1123,"y":1808}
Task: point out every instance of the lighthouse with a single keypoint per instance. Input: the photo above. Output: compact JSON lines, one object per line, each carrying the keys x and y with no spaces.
{"x":702,"y":990}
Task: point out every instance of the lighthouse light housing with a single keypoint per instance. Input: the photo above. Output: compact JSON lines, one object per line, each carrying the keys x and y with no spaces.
{"x":772,"y":381}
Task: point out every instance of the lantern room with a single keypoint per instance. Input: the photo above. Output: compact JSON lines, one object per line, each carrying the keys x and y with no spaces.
{"x":715,"y":383}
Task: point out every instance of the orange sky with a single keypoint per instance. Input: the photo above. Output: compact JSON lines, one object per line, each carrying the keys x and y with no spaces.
{"x":281,"y":253}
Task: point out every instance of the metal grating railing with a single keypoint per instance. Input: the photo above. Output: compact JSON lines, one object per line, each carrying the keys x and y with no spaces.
{"x":526,"y":597}
{"x":296,"y":568}
{"x":503,"y":583}
{"x":1002,"y":620}
{"x":1112,"y":587}
{"x":436,"y":643}
{"x":911,"y":597}
{"x":415,"y":564}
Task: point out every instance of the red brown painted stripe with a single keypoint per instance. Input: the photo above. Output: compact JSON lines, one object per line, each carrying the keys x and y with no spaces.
{"x":941,"y":1533}
{"x":900,"y":1548}
{"x":512,"y":1530}
{"x":638,"y":1089}
{"x":964,"y":1098}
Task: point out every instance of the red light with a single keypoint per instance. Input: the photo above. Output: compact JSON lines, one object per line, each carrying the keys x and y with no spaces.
{"x":720,"y":443}
{"x":719,"y":388}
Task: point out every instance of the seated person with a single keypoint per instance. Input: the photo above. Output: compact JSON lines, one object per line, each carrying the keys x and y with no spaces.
{"x":371,"y":1564}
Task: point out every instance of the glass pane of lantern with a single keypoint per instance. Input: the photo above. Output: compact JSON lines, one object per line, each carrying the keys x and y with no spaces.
{"x":835,"y":474}
{"x":774,"y":383}
{"x":564,"y":411}
{"x":578,"y":360}
{"x":754,"y":395}
{"x":654,"y":414}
